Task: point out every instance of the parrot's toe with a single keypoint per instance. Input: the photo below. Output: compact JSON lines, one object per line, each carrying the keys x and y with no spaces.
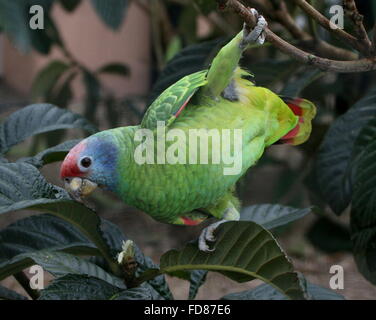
{"x":208,"y":235}
{"x":257,"y":35}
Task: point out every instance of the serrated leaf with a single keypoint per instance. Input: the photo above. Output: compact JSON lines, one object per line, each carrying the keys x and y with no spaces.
{"x":111,"y":12}
{"x":243,"y":251}
{"x":46,"y":79}
{"x":7,"y":294}
{"x":38,"y":118}
{"x":271,"y":216}
{"x":23,"y":187}
{"x":56,"y":153}
{"x":334,"y":155}
{"x":267,"y":292}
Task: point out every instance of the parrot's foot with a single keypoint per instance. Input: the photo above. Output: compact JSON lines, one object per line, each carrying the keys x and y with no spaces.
{"x":208,"y":235}
{"x":257,"y":35}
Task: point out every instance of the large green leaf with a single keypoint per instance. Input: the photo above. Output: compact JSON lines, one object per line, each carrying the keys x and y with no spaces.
{"x":363,"y":211}
{"x":23,"y":187}
{"x":38,"y":118}
{"x":7,"y":294}
{"x":82,"y":287}
{"x":111,"y":11}
{"x":60,"y":264}
{"x":79,"y":287}
{"x":271,"y":216}
{"x":332,"y":165}
{"x":53,"y":154}
{"x":41,"y":232}
{"x":267,"y":292}
{"x":243,"y":251}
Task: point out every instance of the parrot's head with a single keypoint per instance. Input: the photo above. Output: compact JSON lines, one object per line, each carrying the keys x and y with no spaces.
{"x":91,"y":163}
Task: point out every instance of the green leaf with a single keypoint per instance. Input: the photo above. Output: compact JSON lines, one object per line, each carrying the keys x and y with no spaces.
{"x":79,"y":287}
{"x":116,"y":69}
{"x":144,"y":292}
{"x":62,"y":263}
{"x":23,"y":187}
{"x":92,"y":88}
{"x":267,"y":292}
{"x":243,"y":251}
{"x":38,"y":118}
{"x":111,"y":11}
{"x":47,"y":78}
{"x":329,"y":236}
{"x":82,"y":287}
{"x":54,"y":154}
{"x":14,"y":22}
{"x":333,"y":169}
{"x":271,"y":216}
{"x":197,"y":279}
{"x":114,"y":237}
{"x":70,"y":5}
{"x":295,"y":87}
{"x":270,"y":71}
{"x":189,"y":60}
{"x":206,"y":6}
{"x":363,"y":216}
{"x":7,"y":294}
{"x":41,"y":232}
{"x":62,"y":94}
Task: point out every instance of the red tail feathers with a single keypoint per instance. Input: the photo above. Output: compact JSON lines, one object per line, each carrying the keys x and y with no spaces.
{"x":306,"y":111}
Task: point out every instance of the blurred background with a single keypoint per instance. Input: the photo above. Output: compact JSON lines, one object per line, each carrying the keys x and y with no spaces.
{"x":108,"y":60}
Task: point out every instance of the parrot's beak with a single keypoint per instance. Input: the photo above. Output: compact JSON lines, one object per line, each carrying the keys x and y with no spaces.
{"x":79,"y":187}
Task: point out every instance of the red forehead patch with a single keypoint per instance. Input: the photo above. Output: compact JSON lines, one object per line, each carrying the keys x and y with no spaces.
{"x":69,"y":167}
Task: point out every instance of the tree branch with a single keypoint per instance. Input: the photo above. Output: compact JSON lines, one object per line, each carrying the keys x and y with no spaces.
{"x":361,"y":65}
{"x":357,"y":19}
{"x":342,"y":35}
{"x":278,"y":12}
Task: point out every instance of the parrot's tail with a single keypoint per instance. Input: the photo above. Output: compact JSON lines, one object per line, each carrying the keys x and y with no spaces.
{"x":306,"y":111}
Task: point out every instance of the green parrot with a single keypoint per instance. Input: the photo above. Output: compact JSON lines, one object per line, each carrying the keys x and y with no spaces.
{"x":154,"y":166}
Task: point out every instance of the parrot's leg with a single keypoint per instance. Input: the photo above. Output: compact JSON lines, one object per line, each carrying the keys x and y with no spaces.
{"x":224,"y":64}
{"x":230,"y":214}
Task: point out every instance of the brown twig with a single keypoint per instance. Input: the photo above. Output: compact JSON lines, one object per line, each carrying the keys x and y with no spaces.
{"x":342,"y":35}
{"x":278,"y":12}
{"x":352,"y":12}
{"x":361,"y":65}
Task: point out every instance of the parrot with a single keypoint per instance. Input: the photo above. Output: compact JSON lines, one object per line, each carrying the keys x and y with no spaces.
{"x":220,"y":97}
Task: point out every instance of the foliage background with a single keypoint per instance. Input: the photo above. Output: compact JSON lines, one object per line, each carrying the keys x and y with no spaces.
{"x":183,"y":36}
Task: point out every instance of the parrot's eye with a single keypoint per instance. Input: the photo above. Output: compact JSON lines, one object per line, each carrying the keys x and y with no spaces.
{"x":85,"y":163}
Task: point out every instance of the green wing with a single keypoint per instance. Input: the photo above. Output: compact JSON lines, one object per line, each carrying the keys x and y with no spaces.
{"x":173,"y":100}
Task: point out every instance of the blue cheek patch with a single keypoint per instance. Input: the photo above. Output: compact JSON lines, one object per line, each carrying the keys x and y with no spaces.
{"x":105,"y":155}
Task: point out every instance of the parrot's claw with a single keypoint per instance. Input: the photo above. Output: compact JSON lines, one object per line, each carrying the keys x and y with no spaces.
{"x":208,"y":235}
{"x":257,"y":35}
